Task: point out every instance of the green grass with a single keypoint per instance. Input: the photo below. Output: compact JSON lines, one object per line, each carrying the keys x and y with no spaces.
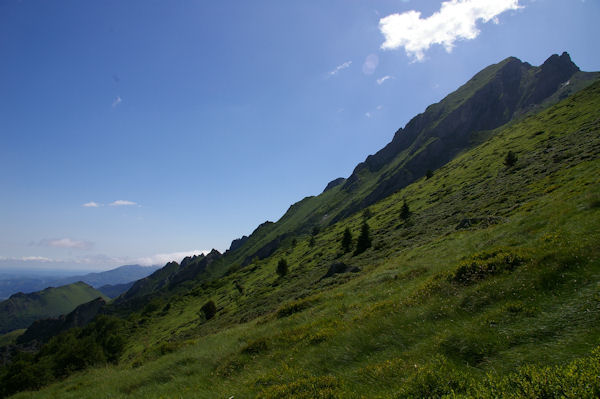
{"x":508,"y":306}
{"x":20,"y":310}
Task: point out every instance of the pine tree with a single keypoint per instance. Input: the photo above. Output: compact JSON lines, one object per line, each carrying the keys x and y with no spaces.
{"x":347,"y":241}
{"x":405,"y":211}
{"x":364,"y":239}
{"x":510,"y":159}
{"x":282,"y":267}
{"x":429,"y":174}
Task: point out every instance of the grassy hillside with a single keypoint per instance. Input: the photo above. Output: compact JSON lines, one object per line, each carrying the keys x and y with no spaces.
{"x":490,"y":99}
{"x":20,"y":310}
{"x":489,"y":288}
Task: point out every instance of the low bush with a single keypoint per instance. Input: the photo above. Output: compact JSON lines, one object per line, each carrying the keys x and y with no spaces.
{"x":485,"y":264}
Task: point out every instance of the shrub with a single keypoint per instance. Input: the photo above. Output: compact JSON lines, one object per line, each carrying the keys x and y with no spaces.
{"x":485,"y":264}
{"x":255,"y":347}
{"x":322,"y":387}
{"x":293,"y":307}
{"x":579,"y":379}
{"x":429,"y":174}
{"x":209,"y":309}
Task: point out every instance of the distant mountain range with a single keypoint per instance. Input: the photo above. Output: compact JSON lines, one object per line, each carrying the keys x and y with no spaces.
{"x":115,"y":277}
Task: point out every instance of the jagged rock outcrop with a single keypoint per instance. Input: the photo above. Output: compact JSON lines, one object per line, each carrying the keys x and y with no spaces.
{"x":190,"y":270}
{"x":237,"y":243}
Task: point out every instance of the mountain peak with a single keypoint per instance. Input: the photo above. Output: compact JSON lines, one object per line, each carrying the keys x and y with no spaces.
{"x":562,"y":64}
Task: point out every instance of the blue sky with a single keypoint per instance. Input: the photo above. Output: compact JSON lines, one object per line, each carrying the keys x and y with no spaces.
{"x":140,"y":131}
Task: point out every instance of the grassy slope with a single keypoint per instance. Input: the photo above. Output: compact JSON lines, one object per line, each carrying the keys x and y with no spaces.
{"x":322,"y":209}
{"x":407,"y":315}
{"x":21,"y":310}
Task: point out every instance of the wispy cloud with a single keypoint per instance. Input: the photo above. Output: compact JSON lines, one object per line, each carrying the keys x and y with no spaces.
{"x":150,"y":260}
{"x":161,"y":259}
{"x":371,"y":114}
{"x":370,"y":64}
{"x":66,"y":243}
{"x":122,"y":203}
{"x":102,"y":261}
{"x":339,"y":68}
{"x":455,"y":20}
{"x":26,"y":259}
{"x":91,"y":204}
{"x":117,"y":101}
{"x":383,"y":79}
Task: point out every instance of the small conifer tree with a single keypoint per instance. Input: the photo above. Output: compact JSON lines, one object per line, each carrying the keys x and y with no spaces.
{"x":282,"y":267}
{"x":405,"y":211}
{"x":347,"y":240}
{"x":429,"y":174}
{"x":364,"y":239}
{"x":510,"y":159}
{"x":311,"y":243}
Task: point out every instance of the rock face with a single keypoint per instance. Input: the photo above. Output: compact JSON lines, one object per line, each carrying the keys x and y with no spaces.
{"x":192,"y":269}
{"x":172,"y":274}
{"x":42,"y":330}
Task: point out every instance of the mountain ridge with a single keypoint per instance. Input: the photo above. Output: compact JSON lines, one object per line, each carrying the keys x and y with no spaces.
{"x":493,"y":97}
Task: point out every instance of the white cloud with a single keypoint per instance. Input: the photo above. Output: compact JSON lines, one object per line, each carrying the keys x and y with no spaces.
{"x":383,"y":79}
{"x":161,"y":259}
{"x":370,"y":64}
{"x":122,"y":203}
{"x":455,"y":20}
{"x":91,"y":204}
{"x":368,"y":114}
{"x":117,"y":101}
{"x":66,"y":243}
{"x":340,"y":68}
